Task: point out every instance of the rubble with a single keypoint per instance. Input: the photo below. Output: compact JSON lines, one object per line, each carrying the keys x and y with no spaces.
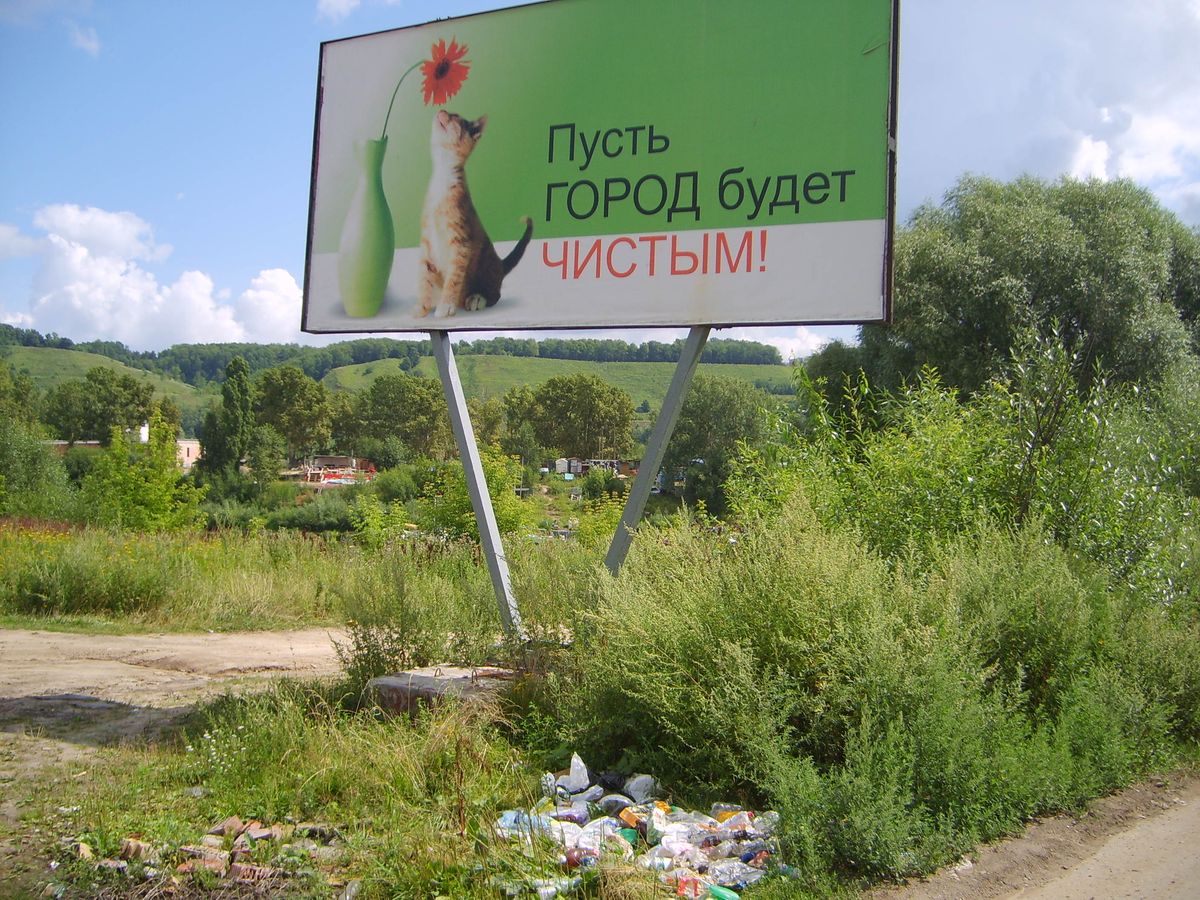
{"x":713,"y":854}
{"x":248,"y":852}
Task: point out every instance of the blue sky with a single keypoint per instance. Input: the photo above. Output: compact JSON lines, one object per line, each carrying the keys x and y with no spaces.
{"x":155,"y":156}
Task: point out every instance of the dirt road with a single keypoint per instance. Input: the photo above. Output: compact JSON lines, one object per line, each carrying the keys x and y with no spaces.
{"x":1143,"y":842}
{"x":63,"y":694}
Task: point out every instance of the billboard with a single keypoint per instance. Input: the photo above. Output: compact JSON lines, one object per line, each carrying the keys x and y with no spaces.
{"x":607,"y":163}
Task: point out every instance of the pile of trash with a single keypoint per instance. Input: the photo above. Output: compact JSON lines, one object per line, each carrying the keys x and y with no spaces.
{"x":700,"y":854}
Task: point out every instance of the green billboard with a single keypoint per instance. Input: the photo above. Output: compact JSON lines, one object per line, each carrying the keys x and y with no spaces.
{"x":592,"y":163}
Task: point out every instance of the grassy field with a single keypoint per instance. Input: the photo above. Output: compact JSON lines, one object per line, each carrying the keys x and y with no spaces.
{"x":492,"y":376}
{"x":49,"y":367}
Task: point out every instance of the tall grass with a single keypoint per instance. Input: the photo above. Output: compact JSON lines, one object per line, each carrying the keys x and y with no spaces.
{"x":180,"y":582}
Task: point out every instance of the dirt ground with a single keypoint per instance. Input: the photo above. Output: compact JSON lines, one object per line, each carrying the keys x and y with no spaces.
{"x":1143,"y":842}
{"x":63,"y":695}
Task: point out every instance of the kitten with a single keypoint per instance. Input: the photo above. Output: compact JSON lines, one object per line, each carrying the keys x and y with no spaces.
{"x":460,"y":268}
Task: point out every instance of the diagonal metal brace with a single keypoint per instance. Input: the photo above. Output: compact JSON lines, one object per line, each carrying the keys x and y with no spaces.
{"x":656,"y":447}
{"x":481,"y":501}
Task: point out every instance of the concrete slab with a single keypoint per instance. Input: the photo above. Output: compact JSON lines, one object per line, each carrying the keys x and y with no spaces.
{"x":405,"y":691}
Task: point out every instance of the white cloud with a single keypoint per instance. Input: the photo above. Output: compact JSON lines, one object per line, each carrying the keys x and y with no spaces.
{"x":14,"y":244}
{"x":1101,"y":88}
{"x":1091,"y":159}
{"x":335,"y":10}
{"x":103,"y":233}
{"x":94,"y":281}
{"x":269,"y":310}
{"x":85,"y":39}
{"x":86,"y":294}
{"x":17,"y":320}
{"x":1161,"y":145}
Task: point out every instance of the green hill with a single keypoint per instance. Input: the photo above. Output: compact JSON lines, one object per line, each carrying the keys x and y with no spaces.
{"x":49,"y":367}
{"x":492,"y":376}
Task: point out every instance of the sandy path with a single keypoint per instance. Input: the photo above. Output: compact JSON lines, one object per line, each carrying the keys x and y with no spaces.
{"x":155,"y":669}
{"x":1143,"y":842}
{"x":1158,"y":857}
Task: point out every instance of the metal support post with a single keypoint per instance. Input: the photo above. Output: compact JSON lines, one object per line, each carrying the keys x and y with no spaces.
{"x":481,"y":501}
{"x":656,"y":447}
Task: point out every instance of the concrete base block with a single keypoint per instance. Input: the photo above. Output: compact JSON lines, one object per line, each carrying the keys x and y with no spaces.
{"x":404,"y":691}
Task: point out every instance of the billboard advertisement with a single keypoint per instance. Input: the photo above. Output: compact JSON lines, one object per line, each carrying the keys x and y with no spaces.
{"x":606,"y":163}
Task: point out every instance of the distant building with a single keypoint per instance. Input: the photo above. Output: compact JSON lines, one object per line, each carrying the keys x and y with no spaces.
{"x":187,"y":450}
{"x":335,"y":471}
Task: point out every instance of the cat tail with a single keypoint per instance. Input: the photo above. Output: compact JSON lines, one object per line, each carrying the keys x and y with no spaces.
{"x":510,"y":261}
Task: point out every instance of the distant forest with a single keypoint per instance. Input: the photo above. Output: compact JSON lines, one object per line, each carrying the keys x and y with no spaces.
{"x":200,"y":364}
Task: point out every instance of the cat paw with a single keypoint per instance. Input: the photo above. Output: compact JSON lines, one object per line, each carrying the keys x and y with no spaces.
{"x":423,"y":311}
{"x":443,"y":311}
{"x":475,"y":302}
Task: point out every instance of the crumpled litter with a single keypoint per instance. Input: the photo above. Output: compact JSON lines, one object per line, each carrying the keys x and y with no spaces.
{"x":701,"y":854}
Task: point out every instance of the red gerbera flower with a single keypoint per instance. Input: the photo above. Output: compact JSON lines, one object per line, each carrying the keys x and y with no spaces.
{"x":445,"y":72}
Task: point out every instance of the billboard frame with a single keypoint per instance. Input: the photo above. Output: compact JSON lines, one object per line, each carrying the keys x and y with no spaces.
{"x":490,"y":537}
{"x":889,"y":196}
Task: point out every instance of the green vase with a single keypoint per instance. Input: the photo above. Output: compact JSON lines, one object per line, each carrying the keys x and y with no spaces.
{"x":368,"y":239}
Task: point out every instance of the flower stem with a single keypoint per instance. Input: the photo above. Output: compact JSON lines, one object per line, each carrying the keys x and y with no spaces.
{"x":383,"y":134}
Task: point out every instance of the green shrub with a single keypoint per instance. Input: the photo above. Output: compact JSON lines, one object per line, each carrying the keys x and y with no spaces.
{"x":445,"y":506}
{"x":896,"y":711}
{"x":33,"y":481}
{"x":403,"y":613}
{"x":396,"y":485}
{"x":139,"y":487}
{"x":1033,"y":620}
{"x":318,"y":512}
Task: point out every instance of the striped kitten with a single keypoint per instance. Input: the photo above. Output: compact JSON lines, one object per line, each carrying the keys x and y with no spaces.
{"x":460,"y":268}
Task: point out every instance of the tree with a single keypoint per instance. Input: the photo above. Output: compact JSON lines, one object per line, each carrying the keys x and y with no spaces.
{"x":523,"y":444}
{"x":999,"y":264}
{"x":237,"y":415}
{"x":295,"y":406}
{"x":18,"y":396}
{"x":225,"y":435}
{"x":487,"y":419}
{"x":114,"y":400}
{"x":833,"y":369}
{"x":89,"y":409}
{"x":64,"y":410}
{"x":583,"y":416}
{"x":139,"y":486}
{"x":266,"y":455}
{"x":410,"y":408}
{"x":717,"y":416}
{"x":170,"y":413}
{"x":520,"y":407}
{"x":346,"y":428}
